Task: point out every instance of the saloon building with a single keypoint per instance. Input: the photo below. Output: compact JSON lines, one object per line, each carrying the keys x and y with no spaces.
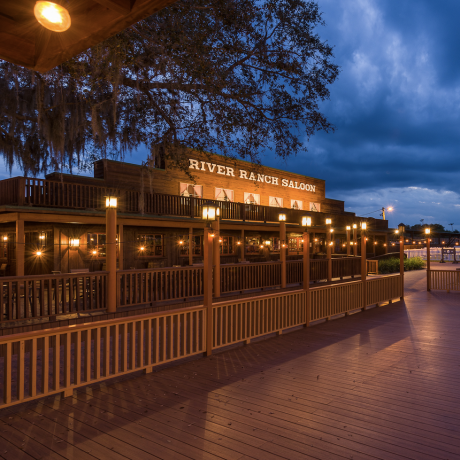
{"x":57,"y":224}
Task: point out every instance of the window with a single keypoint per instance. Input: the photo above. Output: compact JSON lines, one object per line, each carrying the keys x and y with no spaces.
{"x":252,"y":245}
{"x":223,"y":194}
{"x":197,"y":244}
{"x":4,"y":246}
{"x":251,"y":198}
{"x":295,"y":244}
{"x":276,"y":202}
{"x":227,"y":246}
{"x":315,"y":207}
{"x":150,"y":245}
{"x":296,"y":204}
{"x":96,"y":244}
{"x":191,"y":190}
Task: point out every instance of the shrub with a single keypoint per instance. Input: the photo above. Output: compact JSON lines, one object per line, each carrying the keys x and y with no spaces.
{"x":392,"y":265}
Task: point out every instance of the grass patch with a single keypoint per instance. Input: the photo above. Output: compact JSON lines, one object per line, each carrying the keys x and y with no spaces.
{"x":392,"y":265}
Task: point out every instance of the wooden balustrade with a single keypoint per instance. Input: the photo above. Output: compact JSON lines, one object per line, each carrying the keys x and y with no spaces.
{"x":336,"y":299}
{"x":41,"y":363}
{"x":10,"y":191}
{"x":137,"y":287}
{"x":446,"y":280}
{"x":383,"y":289}
{"x":26,"y":297}
{"x":242,"y":320}
{"x":41,"y":192}
{"x":294,"y":271}
{"x":239,"y":277}
{"x":372,"y":267}
{"x":346,"y":266}
{"x":318,"y":269}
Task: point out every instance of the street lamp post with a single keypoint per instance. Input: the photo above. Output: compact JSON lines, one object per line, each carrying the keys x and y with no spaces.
{"x":209,"y":216}
{"x":283,"y":248}
{"x":348,"y":240}
{"x":111,"y":204}
{"x":329,"y":231}
{"x":428,"y":261}
{"x":306,"y":224}
{"x":364,"y":262}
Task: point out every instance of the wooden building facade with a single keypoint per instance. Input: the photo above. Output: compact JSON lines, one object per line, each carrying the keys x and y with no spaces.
{"x":58,"y":223}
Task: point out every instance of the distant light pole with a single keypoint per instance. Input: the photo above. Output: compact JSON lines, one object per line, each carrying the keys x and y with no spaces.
{"x":428,"y":260}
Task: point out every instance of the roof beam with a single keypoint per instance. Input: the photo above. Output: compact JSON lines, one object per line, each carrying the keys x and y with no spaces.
{"x":120,"y":6}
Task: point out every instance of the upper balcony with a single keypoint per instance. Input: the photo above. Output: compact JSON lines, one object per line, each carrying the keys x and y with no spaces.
{"x":24,"y":191}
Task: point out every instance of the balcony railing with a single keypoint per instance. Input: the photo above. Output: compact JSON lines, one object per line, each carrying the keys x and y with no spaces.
{"x":23,"y":191}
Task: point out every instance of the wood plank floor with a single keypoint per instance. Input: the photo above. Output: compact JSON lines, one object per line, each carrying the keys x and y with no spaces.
{"x":379,"y":384}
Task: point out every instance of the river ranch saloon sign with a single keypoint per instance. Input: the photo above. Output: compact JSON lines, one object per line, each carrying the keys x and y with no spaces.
{"x":242,"y":174}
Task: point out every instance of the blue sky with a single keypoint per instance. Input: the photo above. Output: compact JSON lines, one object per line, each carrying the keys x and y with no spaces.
{"x":396,"y":108}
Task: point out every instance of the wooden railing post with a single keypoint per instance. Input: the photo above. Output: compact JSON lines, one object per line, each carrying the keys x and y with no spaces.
{"x":428,"y":264}
{"x":306,"y":275}
{"x":283,"y":249}
{"x":207,"y":285}
{"x":20,"y":246}
{"x":348,"y":241}
{"x":363,"y":267}
{"x":355,"y":240}
{"x":216,"y":257}
{"x":329,"y":251}
{"x":111,"y":250}
{"x":401,"y":263}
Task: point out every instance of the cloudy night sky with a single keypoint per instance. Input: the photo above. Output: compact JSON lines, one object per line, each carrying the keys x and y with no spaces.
{"x":396,"y":109}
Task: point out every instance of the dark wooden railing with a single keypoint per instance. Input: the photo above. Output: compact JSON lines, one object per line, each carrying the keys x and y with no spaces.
{"x":26,"y":297}
{"x":241,"y":277}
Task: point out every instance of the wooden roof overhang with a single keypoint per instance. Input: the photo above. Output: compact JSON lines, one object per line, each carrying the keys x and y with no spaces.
{"x":25,"y":42}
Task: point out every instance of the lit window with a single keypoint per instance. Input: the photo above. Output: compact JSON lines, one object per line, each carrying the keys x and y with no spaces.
{"x":251,"y":198}
{"x":197,"y":244}
{"x":191,"y":190}
{"x":223,"y":194}
{"x":296,"y":204}
{"x":227,"y":245}
{"x":96,"y":244}
{"x":315,"y":207}
{"x":152,"y":245}
{"x":276,"y":202}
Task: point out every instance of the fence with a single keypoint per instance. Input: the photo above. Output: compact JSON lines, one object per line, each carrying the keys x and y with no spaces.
{"x":40,"y":363}
{"x":240,"y":277}
{"x":372,"y":267}
{"x":446,"y":280}
{"x":38,"y":296}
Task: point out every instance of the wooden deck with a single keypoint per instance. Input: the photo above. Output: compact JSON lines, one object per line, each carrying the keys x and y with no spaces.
{"x":379,"y":384}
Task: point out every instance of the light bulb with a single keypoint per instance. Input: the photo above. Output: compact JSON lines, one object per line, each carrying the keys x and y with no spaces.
{"x":52,"y":16}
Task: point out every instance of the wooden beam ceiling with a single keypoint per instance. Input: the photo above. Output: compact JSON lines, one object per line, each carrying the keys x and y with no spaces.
{"x":25,"y":42}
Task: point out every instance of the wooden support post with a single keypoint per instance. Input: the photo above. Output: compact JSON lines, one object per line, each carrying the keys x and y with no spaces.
{"x":306,"y":275}
{"x":190,"y":246}
{"x":401,"y":264}
{"x":242,"y":246}
{"x":120,"y":246}
{"x":283,"y":251}
{"x":385,"y":245}
{"x":207,"y":285}
{"x":111,"y":261}
{"x":355,"y":241}
{"x":216,"y":257}
{"x":329,"y":251}
{"x":363,"y":267}
{"x":428,"y":264}
{"x":20,"y":247}
{"x":348,"y":242}
{"x":313,"y":244}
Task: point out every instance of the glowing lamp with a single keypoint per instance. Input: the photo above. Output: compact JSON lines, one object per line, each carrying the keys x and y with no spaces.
{"x":316,"y":240}
{"x":348,"y":228}
{"x":363,"y":226}
{"x":396,"y":231}
{"x":141,"y":248}
{"x":261,"y":246}
{"x":306,"y":221}
{"x":238,"y":243}
{"x":181,"y":242}
{"x":212,"y":235}
{"x":328,"y":221}
{"x":375,"y":242}
{"x":41,"y":236}
{"x":209,"y":212}
{"x":5,"y":238}
{"x":111,"y":201}
{"x":94,"y":252}
{"x":331,"y":243}
{"x":52,"y":16}
{"x":343,"y":245}
{"x":74,"y":243}
{"x":220,"y":240}
{"x":390,"y":208}
{"x":39,"y":253}
{"x":427,"y":231}
{"x":282,"y":217}
{"x":351,"y":243}
{"x":331,"y":230}
{"x":267,"y":242}
{"x":355,"y":226}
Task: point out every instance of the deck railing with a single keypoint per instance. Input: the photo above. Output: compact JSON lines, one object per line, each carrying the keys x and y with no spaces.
{"x":26,"y":297}
{"x":372,"y":267}
{"x":446,"y":280}
{"x":40,"y":363}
